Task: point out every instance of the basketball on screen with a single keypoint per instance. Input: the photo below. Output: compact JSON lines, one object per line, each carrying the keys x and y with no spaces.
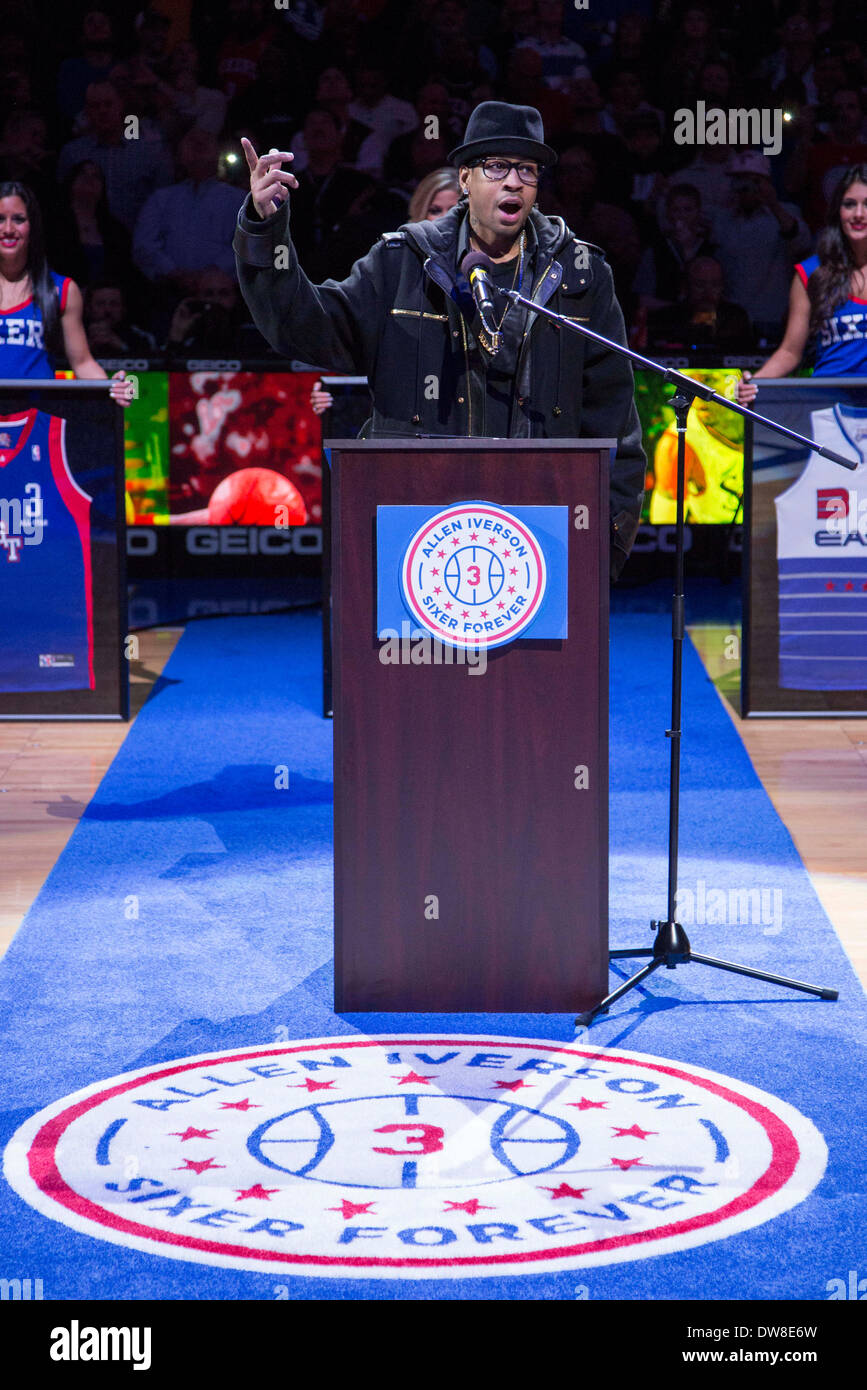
{"x":256,"y":497}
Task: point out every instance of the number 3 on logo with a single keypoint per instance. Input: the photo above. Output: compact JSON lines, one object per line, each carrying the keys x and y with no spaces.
{"x":427,"y":1140}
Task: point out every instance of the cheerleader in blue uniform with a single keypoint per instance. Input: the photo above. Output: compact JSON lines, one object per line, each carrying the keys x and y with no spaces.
{"x":40,"y":311}
{"x":828,"y":299}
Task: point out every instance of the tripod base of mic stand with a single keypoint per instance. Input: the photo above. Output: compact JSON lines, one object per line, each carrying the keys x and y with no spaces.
{"x":671,"y":948}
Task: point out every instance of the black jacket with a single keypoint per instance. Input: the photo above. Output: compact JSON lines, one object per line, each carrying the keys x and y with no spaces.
{"x":402,"y":318}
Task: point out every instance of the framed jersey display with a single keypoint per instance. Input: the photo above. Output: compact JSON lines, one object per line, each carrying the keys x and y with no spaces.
{"x":63,"y":649}
{"x":805,"y":568}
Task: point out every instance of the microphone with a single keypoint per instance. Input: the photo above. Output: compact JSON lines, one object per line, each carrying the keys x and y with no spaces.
{"x":475,"y":266}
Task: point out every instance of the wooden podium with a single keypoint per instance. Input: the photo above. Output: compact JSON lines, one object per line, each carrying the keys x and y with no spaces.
{"x":471,"y":810}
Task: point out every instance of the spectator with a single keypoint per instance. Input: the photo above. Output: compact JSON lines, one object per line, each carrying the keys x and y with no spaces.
{"x":643,"y":139}
{"x":815,"y":167}
{"x":213,"y":322}
{"x":561,"y":56}
{"x":360,"y":147}
{"x":759,"y":239}
{"x":415,"y":154}
{"x":274,"y":103}
{"x":106,"y":320}
{"x":626,"y":98}
{"x":327,"y":194}
{"x":142,"y":78}
{"x":189,"y":225}
{"x":152,"y":29}
{"x":632,"y":47}
{"x":250,"y":33}
{"x":794,"y":57}
{"x":437,"y":192}
{"x":691,"y":48}
{"x":189,"y":103}
{"x":526,"y":87}
{"x":830,"y":74}
{"x":703,"y":317}
{"x":715,"y":84}
{"x":449,"y":31}
{"x":93,"y":64}
{"x":24,"y":155}
{"x":575,"y":198}
{"x":133,"y":169}
{"x":706,"y":172}
{"x":591,"y":127}
{"x":682,"y":235}
{"x":376,"y":108}
{"x":88,"y":243}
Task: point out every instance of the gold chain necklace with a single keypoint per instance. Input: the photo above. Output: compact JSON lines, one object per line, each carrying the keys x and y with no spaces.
{"x":492,"y":344}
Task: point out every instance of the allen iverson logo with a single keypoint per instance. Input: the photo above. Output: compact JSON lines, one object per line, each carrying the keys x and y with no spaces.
{"x":415,"y":1157}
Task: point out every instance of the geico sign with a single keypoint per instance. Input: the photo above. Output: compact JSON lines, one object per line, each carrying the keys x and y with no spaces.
{"x":254,"y":540}
{"x":210,"y":364}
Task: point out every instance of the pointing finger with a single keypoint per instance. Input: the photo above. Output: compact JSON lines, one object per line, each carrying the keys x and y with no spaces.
{"x":252,"y":157}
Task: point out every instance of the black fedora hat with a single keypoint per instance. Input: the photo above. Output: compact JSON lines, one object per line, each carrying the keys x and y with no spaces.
{"x":496,"y":127}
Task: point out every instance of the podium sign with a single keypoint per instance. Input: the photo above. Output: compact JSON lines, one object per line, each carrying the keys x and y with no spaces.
{"x":470,"y":592}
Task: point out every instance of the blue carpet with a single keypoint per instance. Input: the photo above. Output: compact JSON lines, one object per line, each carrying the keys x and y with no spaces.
{"x":191,"y":913}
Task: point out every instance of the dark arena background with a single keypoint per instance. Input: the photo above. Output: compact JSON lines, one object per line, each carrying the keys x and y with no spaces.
{"x":287,"y":932}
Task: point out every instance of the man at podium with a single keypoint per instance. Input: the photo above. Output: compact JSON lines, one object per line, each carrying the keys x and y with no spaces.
{"x":406,"y":317}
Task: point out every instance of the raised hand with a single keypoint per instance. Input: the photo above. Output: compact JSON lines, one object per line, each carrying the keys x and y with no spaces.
{"x":269,"y":184}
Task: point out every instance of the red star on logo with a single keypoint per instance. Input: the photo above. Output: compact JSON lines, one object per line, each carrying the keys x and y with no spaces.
{"x":492,"y":541}
{"x":583,"y":1104}
{"x":239,"y":1105}
{"x":484,"y":612}
{"x":441,"y":554}
{"x":434,"y":571}
{"x":511,"y":588}
{"x":625,"y":1163}
{"x":257,"y":1190}
{"x":437,"y":590}
{"x":474,"y":536}
{"x":564,"y":1190}
{"x":849,"y":584}
{"x":191,"y":1133}
{"x":192,"y":1166}
{"x":349,"y":1209}
{"x":501,"y":605}
{"x":455,"y":541}
{"x":465,"y":614}
{"x":506,"y":554}
{"x":635,"y":1132}
{"x":829,"y":585}
{"x":511,"y":1085}
{"x":513,"y":571}
{"x":448,"y":605}
{"x":308,"y":1084}
{"x":414,"y":1076}
{"x":472,"y":1206}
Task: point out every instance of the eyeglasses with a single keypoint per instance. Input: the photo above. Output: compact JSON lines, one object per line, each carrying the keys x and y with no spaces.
{"x":497,"y":169}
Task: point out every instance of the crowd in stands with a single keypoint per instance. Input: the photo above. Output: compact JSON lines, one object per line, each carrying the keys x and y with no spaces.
{"x":127,"y":127}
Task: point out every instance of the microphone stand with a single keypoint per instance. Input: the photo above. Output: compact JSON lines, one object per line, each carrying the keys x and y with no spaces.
{"x":671,"y":946}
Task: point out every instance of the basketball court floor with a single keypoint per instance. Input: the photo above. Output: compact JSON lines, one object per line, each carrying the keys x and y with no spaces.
{"x":814,"y":770}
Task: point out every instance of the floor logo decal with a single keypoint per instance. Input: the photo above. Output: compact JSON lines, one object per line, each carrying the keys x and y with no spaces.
{"x":415,"y":1157}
